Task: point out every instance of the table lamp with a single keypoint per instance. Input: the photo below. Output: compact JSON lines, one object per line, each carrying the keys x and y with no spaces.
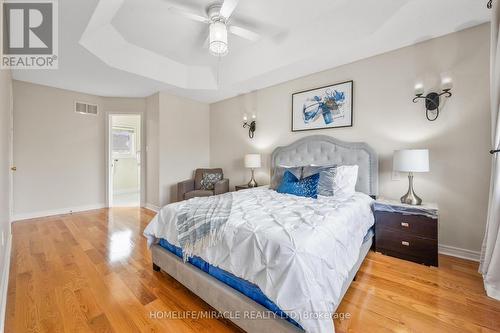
{"x":411,"y":160}
{"x":252,"y":161}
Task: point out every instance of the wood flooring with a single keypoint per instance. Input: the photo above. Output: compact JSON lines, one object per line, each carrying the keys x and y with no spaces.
{"x":91,"y":272}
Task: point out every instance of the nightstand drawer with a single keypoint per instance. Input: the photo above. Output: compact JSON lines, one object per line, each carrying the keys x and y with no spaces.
{"x":416,"y":225}
{"x":406,"y":246}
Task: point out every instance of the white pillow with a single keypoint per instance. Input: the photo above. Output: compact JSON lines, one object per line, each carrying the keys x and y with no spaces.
{"x":344,"y":183}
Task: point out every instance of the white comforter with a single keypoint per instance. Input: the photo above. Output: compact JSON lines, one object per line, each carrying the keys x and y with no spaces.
{"x":298,"y":250}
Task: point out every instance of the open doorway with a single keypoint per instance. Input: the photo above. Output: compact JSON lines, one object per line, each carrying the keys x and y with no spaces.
{"x":125,"y":160}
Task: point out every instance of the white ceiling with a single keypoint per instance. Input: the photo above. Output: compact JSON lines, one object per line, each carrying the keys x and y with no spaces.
{"x":138,"y":47}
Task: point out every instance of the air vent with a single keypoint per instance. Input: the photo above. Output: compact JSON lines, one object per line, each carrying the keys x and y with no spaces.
{"x":85,"y":108}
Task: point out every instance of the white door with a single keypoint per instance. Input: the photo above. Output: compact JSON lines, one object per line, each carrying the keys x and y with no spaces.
{"x":125,"y":160}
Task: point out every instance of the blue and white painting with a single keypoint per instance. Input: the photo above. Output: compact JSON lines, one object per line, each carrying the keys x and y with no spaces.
{"x":326,"y":107}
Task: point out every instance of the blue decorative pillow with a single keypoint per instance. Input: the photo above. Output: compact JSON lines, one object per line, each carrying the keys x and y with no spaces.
{"x":305,"y":187}
{"x":278,"y":173}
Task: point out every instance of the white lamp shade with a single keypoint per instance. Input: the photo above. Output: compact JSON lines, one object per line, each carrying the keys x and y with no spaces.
{"x":252,"y":161}
{"x":411,"y":160}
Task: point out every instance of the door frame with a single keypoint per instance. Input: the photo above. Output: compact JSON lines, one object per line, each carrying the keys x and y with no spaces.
{"x":11,"y":155}
{"x":108,"y":157}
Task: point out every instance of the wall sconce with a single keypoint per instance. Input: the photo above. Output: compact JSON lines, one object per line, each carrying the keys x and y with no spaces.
{"x":250,"y":125}
{"x":432,"y":99}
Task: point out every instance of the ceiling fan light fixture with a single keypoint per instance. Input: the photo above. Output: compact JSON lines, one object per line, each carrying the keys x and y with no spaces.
{"x":218,"y":39}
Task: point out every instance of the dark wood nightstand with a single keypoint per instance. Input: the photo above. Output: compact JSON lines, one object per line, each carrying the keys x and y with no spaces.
{"x":407,"y":232}
{"x":241,"y":187}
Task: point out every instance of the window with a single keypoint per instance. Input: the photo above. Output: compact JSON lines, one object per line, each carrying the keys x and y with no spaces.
{"x":123,"y":142}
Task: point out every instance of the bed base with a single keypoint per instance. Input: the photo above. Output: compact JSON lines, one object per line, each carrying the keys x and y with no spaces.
{"x":228,"y":300}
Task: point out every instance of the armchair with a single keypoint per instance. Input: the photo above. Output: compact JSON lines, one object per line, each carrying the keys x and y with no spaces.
{"x":191,"y":188}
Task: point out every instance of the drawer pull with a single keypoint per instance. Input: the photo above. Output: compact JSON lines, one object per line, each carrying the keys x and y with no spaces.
{"x":405,"y":224}
{"x":405,"y":243}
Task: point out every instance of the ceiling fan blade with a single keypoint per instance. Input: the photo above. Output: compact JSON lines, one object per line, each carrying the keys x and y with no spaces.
{"x":228,"y":7}
{"x":244,"y":33}
{"x":206,"y":42}
{"x":189,"y":15}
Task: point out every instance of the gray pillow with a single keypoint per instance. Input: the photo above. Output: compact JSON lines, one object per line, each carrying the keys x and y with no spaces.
{"x":326,"y":176}
{"x":325,"y":183}
{"x":278,"y":173}
{"x":310,"y":170}
{"x":209,"y":179}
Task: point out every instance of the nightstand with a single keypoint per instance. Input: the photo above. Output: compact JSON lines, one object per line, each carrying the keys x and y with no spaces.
{"x":241,"y":187}
{"x":407,"y":232}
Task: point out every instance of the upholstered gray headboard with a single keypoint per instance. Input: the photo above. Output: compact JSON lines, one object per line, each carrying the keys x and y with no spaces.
{"x":324,"y":150}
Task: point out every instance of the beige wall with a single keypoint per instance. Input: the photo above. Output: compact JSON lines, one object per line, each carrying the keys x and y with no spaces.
{"x":60,"y":154}
{"x":5,"y":149}
{"x":386,"y":118}
{"x":152,"y":153}
{"x":183,"y":142}
{"x":123,"y":104}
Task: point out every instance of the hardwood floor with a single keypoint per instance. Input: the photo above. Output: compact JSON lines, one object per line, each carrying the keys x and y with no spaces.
{"x":91,"y":272}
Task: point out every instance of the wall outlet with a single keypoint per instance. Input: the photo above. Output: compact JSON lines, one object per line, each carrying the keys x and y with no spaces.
{"x":396,"y":175}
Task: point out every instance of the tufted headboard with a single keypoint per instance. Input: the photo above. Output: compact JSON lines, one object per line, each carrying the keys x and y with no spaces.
{"x":324,"y":150}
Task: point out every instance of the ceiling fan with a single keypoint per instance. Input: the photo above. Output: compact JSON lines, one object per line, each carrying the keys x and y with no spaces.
{"x":217,"y":18}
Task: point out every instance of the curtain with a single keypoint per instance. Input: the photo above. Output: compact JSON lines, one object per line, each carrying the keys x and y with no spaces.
{"x":490,"y":252}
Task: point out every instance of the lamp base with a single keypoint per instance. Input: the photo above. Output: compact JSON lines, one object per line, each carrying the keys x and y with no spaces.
{"x":411,"y":198}
{"x":252,"y":182}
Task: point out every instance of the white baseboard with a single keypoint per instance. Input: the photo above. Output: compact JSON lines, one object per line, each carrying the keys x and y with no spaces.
{"x":459,"y":253}
{"x":69,"y":210}
{"x":4,"y":282}
{"x":491,"y":291}
{"x":152,"y":207}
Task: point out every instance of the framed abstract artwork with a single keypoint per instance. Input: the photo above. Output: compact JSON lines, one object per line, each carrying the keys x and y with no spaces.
{"x":325,"y":107}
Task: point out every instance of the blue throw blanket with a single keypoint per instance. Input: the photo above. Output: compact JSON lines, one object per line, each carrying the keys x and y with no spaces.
{"x":201,"y":223}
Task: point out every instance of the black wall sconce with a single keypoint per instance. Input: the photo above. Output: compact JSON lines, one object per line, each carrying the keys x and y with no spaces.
{"x":432,"y":99}
{"x":250,"y":125}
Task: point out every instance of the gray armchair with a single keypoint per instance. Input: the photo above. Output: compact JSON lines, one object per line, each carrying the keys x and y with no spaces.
{"x":192,"y":187}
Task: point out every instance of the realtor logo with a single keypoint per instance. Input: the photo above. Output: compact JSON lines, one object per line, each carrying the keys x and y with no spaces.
{"x":29,"y":35}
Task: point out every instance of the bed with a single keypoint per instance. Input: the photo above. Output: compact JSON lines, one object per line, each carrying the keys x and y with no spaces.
{"x":284,"y":262}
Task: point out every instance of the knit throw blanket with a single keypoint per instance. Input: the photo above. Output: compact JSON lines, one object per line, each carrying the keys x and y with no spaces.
{"x":201,"y":223}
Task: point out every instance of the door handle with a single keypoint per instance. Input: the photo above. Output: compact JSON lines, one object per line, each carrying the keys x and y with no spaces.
{"x":13,"y":168}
